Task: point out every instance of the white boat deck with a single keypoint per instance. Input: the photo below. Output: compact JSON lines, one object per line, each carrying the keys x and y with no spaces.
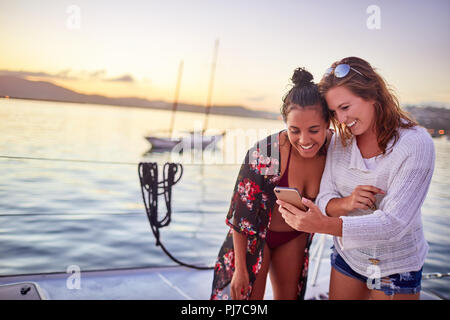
{"x":174,"y":283}
{"x":165,"y":283}
{"x":152,"y":283}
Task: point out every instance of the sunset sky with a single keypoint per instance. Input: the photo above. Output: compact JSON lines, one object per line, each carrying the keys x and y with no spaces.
{"x":133,"y":48}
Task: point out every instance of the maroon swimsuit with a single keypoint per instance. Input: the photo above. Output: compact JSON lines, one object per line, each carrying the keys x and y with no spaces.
{"x":277,"y":238}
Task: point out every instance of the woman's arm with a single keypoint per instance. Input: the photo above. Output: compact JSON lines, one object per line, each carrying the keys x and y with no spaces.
{"x":331,"y":202}
{"x":407,"y":190}
{"x":240,"y":280}
{"x":362,"y":197}
{"x":243,"y":219}
{"x":240,"y":248}
{"x":311,"y":221}
{"x":336,"y":207}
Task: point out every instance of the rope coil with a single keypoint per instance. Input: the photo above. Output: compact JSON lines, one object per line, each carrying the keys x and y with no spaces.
{"x":148,"y":176}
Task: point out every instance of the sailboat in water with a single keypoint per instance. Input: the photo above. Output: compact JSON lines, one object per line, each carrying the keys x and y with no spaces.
{"x":193,"y":140}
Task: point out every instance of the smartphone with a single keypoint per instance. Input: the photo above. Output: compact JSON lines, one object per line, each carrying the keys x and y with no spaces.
{"x":290,"y":195}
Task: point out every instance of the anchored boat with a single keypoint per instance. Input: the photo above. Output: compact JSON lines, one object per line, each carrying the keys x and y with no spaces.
{"x":193,"y":140}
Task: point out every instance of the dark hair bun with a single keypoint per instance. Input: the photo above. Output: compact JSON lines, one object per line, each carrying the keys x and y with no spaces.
{"x":302,"y":78}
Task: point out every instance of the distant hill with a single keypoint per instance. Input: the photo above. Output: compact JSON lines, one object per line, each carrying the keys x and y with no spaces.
{"x":432,"y":117}
{"x":16,"y":87}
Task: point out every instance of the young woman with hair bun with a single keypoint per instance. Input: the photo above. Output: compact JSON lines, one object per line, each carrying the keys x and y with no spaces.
{"x":259,"y":241}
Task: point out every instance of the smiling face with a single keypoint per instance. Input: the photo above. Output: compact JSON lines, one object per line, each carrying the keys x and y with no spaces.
{"x":354,"y":112}
{"x":306,"y":129}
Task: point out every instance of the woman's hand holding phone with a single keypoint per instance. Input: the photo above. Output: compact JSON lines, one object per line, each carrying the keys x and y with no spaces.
{"x":290,"y":195}
{"x":311,"y":221}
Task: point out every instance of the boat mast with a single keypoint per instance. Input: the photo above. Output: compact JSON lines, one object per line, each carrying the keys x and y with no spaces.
{"x":175,"y":101}
{"x":211,"y":83}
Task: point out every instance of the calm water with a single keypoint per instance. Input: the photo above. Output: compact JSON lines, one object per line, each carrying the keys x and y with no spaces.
{"x":54,"y":214}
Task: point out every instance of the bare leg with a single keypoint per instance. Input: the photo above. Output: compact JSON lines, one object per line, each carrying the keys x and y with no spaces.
{"x":343,"y":287}
{"x":259,"y":286}
{"x":286,"y":268}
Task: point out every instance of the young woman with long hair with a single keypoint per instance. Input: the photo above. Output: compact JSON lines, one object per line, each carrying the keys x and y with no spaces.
{"x":378,"y":170}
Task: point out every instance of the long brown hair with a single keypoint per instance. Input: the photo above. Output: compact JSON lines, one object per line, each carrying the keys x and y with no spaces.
{"x":370,"y":86}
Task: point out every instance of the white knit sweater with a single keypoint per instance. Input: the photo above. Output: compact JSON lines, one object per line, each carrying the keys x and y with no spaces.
{"x":392,"y":234}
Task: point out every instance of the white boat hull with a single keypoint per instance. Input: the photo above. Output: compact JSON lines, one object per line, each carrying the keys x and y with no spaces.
{"x":195,"y":141}
{"x":162,"y":143}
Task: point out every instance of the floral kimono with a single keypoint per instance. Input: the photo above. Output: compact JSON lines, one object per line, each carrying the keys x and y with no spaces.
{"x":249,"y":213}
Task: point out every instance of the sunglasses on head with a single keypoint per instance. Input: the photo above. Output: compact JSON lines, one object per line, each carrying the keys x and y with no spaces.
{"x":341,"y":70}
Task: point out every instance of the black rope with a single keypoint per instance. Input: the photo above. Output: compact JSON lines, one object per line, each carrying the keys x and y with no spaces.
{"x":148,"y":176}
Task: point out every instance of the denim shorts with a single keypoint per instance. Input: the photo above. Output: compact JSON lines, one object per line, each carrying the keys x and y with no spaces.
{"x":403,"y":283}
